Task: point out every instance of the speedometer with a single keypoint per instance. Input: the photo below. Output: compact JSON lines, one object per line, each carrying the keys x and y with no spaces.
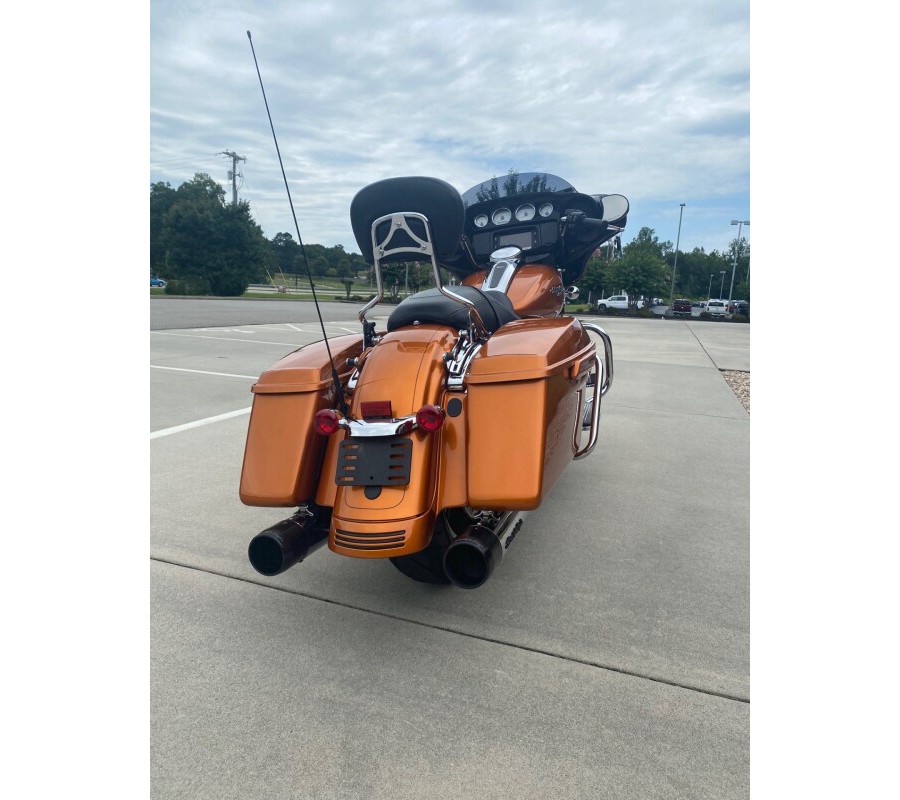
{"x":525,"y":212}
{"x":501,"y":216}
{"x":481,"y":220}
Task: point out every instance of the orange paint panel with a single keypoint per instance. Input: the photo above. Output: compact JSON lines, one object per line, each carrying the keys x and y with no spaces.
{"x":530,"y":348}
{"x":452,"y":478}
{"x":520,"y":440}
{"x":407,"y":368}
{"x":367,"y":539}
{"x":522,"y":406}
{"x":536,"y":290}
{"x":308,"y":368}
{"x":283,"y":453}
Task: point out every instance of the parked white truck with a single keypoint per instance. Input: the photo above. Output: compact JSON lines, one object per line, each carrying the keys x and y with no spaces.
{"x":616,"y":301}
{"x":718,"y":309}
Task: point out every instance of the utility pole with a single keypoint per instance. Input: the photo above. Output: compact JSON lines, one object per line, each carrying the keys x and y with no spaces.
{"x":233,"y":173}
{"x":740,"y":223}
{"x":675,"y":266}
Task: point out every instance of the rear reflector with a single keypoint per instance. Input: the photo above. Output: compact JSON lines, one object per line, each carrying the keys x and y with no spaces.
{"x":430,"y":418}
{"x":326,"y":421}
{"x":376,"y":409}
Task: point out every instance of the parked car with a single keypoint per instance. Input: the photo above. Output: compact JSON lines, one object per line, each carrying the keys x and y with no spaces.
{"x":159,"y":282}
{"x":741,"y":307}
{"x":616,"y":301}
{"x":718,"y":309}
{"x":681,"y":308}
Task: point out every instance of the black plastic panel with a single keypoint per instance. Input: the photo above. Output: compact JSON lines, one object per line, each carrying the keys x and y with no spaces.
{"x":374,"y":461}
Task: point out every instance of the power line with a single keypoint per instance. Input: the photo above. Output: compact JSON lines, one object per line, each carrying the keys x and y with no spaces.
{"x":185,"y":160}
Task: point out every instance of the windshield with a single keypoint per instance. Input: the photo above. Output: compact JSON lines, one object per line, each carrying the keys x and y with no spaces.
{"x":516,"y":183}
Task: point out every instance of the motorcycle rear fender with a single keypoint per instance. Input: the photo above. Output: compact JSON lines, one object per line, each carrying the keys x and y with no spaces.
{"x":407,"y":368}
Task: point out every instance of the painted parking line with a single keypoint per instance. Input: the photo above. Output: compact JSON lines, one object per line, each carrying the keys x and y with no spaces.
{"x":223,"y":338}
{"x":199,"y":423}
{"x":204,"y":372}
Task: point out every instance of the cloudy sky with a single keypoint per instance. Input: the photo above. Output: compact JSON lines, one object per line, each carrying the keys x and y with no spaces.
{"x":650,"y":100}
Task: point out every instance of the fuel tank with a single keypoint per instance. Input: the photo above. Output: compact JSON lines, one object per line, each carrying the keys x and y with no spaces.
{"x":536,"y":290}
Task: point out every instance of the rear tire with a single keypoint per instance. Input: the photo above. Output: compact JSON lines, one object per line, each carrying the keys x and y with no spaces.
{"x":427,"y":566}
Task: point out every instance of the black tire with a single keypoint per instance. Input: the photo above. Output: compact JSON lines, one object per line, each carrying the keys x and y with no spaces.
{"x":427,"y":566}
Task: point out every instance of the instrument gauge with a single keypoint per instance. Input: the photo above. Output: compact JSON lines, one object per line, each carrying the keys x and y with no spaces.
{"x":501,"y":216}
{"x":546,"y":210}
{"x":481,"y":220}
{"x":525,"y":212}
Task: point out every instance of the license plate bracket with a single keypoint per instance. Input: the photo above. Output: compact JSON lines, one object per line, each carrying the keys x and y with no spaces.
{"x":374,"y":461}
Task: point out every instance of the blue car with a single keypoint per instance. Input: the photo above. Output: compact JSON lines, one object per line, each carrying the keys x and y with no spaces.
{"x":154,"y":281}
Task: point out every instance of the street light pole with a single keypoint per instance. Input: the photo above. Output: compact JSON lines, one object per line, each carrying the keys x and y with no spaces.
{"x":740,"y":223}
{"x":722,"y":282}
{"x":675,"y":265}
{"x":708,"y":295}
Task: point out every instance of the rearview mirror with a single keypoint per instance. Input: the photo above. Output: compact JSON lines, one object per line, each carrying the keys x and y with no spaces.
{"x":615,"y":206}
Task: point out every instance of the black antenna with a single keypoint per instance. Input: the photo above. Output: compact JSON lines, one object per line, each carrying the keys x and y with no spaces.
{"x":339,"y":390}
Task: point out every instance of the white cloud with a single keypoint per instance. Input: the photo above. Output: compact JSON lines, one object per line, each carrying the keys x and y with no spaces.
{"x":649,"y":100}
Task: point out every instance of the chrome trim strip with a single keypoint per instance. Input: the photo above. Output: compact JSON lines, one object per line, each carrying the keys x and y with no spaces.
{"x":394,"y":427}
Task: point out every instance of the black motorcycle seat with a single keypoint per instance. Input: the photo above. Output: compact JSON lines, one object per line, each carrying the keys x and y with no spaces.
{"x":435,"y":308}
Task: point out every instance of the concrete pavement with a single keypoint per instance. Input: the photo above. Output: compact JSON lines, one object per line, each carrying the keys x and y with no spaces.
{"x":607,"y":657}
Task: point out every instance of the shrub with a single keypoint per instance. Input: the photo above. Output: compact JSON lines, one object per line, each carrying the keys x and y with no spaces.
{"x":191,"y":285}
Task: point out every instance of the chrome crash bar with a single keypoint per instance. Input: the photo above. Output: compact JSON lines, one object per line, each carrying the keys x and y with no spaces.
{"x":602,"y":381}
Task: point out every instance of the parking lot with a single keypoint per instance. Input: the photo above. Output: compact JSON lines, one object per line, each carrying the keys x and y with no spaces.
{"x":608,"y":656}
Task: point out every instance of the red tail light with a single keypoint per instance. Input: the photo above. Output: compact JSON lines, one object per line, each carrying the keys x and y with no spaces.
{"x":376,"y":409}
{"x":326,"y":421}
{"x":430,"y":418}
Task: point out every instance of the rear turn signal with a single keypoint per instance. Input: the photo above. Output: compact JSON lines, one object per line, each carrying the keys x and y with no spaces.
{"x":326,"y":421}
{"x":430,"y":418}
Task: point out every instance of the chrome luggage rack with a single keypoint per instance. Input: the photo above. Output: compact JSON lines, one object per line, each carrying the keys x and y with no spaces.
{"x":409,"y":242}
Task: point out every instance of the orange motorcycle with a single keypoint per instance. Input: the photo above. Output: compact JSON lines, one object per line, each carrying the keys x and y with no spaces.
{"x":428,"y":442}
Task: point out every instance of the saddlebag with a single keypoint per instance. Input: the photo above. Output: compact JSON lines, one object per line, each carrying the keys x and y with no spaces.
{"x":283,"y":453}
{"x":521,"y":410}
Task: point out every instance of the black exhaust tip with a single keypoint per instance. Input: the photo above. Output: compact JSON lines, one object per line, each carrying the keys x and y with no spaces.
{"x":472,"y":557}
{"x":286,"y":543}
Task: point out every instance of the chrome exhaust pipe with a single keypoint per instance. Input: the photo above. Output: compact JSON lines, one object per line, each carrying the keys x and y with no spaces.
{"x":473,"y":556}
{"x":288,"y":542}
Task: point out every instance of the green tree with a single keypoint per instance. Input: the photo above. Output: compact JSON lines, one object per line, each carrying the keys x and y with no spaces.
{"x":208,"y":246}
{"x":286,"y":252}
{"x":162,"y":197}
{"x":642,"y":269}
{"x":596,"y":277}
